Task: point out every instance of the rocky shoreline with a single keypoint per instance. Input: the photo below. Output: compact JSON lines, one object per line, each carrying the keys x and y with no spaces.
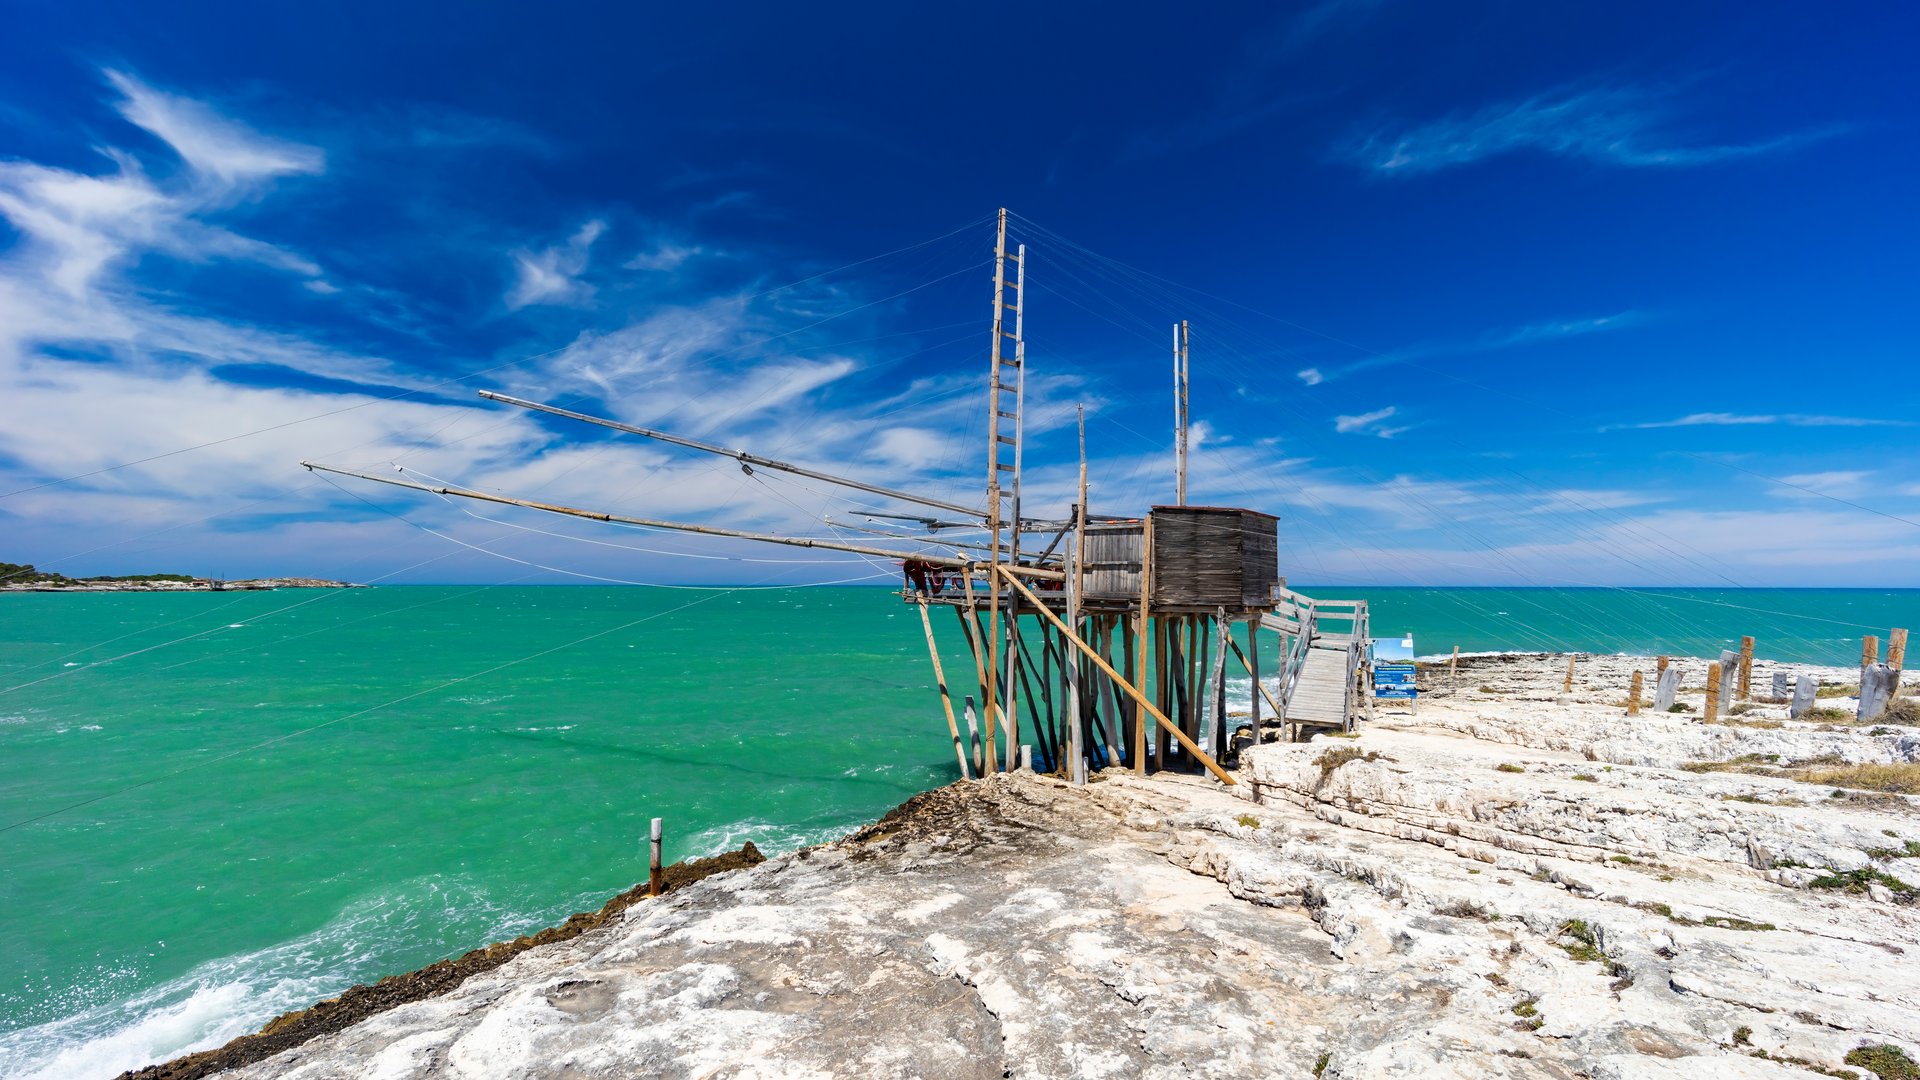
{"x":1515,"y":881}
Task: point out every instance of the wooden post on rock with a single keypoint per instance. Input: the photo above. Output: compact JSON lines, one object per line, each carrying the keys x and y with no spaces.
{"x":654,"y":877}
{"x":1729,"y":668}
{"x":1666,"y":687}
{"x":1897,"y":655}
{"x":1805,"y":691}
{"x":1876,"y":691}
{"x":1746,"y":668}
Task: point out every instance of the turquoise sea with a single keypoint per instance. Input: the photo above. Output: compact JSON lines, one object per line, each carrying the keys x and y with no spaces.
{"x":220,"y":806}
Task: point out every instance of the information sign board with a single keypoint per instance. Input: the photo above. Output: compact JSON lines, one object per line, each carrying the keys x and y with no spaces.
{"x":1397,"y":681}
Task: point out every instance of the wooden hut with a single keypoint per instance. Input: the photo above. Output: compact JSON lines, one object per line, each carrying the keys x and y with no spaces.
{"x":1204,"y":558}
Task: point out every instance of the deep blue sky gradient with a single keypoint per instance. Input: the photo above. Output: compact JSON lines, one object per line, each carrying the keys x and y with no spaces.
{"x":1611,"y":266}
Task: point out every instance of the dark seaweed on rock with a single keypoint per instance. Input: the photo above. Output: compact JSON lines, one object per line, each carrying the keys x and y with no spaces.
{"x":291,"y":1029}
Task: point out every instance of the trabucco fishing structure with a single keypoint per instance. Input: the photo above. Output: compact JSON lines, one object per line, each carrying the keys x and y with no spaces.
{"x":1102,"y":639}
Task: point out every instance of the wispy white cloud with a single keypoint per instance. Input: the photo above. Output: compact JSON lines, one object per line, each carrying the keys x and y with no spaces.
{"x":1372,"y":423}
{"x":552,"y":275}
{"x":1834,"y":483}
{"x":1623,"y":126}
{"x":76,"y":225}
{"x":211,"y":144}
{"x":663,"y":256}
{"x":1492,"y":341}
{"x":1724,"y":419}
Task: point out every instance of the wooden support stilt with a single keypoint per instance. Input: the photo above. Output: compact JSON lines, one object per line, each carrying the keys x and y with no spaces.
{"x":1198,"y":646}
{"x":1745,"y":689}
{"x":1177,"y":672}
{"x":1633,"y":695}
{"x":1044,"y":716}
{"x":1252,"y":660}
{"x":1132,"y":691}
{"x":1013,"y":683}
{"x":946,"y":702}
{"x":973,"y":738}
{"x":1223,"y":633}
{"x":1075,"y":583}
{"x":1142,"y":629}
{"x":1130,"y":637}
{"x":986,"y":646}
{"x":1163,"y":689}
{"x":1713,"y":691}
{"x":1040,"y":704}
{"x":1109,"y":697}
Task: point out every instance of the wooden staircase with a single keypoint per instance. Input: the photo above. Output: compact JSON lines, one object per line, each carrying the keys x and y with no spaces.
{"x":1323,"y":671}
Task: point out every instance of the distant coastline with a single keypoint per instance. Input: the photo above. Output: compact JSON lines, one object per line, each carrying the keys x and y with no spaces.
{"x":170,"y":585}
{"x":17,"y":577}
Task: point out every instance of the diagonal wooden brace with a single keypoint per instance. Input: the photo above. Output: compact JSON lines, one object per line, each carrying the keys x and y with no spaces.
{"x":1119,"y":680}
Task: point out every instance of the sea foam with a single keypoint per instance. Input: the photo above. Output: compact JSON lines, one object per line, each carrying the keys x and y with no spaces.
{"x":234,"y":995}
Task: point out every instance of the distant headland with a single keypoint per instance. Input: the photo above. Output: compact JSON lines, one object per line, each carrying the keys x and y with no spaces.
{"x":21,"y":577}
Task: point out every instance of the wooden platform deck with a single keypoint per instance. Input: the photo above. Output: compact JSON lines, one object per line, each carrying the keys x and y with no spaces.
{"x":1320,"y":698}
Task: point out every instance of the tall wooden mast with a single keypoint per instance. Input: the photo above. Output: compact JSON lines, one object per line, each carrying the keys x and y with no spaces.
{"x":1003,"y":416}
{"x":1180,"y":382}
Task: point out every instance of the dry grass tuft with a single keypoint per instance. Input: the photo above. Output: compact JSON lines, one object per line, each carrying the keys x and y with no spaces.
{"x":1903,"y":711}
{"x":1901,"y":779}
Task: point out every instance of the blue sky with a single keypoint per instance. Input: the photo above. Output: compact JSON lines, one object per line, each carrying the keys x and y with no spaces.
{"x":1492,"y":294}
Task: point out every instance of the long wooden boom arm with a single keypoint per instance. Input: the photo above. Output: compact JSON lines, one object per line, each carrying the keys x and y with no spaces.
{"x":738,"y":455}
{"x":680,"y":526}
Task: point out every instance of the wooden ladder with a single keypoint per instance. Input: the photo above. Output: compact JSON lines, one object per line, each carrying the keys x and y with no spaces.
{"x":1006,"y":388}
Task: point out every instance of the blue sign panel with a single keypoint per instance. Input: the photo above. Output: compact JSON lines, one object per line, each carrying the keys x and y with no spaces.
{"x":1395,"y":681}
